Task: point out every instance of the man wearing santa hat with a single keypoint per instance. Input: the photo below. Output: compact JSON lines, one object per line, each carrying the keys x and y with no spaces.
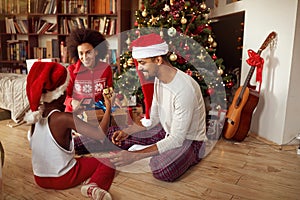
{"x":53,"y":162}
{"x":177,"y":105}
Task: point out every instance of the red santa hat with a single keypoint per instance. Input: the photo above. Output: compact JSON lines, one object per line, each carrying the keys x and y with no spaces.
{"x":148,"y":46}
{"x":144,"y":47}
{"x":46,"y":82}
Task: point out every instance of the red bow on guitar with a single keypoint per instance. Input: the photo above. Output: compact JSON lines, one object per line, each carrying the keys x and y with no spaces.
{"x":257,"y":61}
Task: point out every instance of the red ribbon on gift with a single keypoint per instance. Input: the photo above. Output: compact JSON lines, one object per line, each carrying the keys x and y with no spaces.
{"x":257,"y":61}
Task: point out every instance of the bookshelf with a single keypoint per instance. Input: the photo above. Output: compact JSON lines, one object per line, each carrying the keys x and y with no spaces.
{"x":36,"y":29}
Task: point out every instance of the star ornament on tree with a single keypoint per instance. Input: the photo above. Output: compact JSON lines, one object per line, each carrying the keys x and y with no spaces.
{"x":154,"y":20}
{"x":201,"y":57}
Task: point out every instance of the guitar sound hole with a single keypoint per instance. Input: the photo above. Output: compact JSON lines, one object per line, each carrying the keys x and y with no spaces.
{"x":230,"y":121}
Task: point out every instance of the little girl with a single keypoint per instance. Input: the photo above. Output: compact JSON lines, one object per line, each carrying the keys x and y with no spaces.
{"x":53,"y":161}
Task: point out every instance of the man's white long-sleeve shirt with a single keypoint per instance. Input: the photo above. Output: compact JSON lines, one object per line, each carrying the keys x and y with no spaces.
{"x":180,"y":109}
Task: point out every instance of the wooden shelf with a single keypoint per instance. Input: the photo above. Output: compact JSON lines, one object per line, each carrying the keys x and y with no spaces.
{"x":31,"y":21}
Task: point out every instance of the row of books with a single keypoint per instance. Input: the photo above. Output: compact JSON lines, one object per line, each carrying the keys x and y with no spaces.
{"x":69,"y":24}
{"x":50,"y":7}
{"x":13,"y":6}
{"x":104,"y":25}
{"x":16,"y":26}
{"x":17,"y":50}
{"x":74,"y":6}
{"x":42,"y":6}
{"x":41,"y":26}
{"x":50,"y":51}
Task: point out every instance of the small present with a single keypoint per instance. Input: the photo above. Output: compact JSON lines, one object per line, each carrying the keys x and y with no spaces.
{"x":215,"y":123}
{"x":118,"y":117}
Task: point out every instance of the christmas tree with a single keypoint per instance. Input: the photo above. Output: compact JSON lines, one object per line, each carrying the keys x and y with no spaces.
{"x":185,"y":27}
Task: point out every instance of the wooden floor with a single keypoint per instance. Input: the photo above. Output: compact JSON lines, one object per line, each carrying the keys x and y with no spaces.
{"x":251,"y":169}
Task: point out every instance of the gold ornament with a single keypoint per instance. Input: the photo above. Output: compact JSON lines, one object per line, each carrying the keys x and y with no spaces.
{"x":144,"y":13}
{"x":203,"y":6}
{"x":173,"y":57}
{"x":183,"y":20}
{"x":220,"y":71}
{"x":210,"y":39}
{"x":130,"y":62}
{"x":214,"y":44}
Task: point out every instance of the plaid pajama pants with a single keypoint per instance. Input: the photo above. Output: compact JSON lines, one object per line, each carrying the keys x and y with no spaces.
{"x":167,"y":166}
{"x":86,"y":145}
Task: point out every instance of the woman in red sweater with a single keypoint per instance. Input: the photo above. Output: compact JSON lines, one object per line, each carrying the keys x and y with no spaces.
{"x":89,"y":75}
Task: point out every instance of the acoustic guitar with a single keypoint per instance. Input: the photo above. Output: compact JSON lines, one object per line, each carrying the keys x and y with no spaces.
{"x":239,"y":114}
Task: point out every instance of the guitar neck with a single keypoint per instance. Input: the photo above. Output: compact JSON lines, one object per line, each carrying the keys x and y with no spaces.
{"x":247,"y":81}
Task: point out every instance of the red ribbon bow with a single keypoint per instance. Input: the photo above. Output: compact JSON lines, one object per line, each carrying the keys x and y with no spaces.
{"x":257,"y":61}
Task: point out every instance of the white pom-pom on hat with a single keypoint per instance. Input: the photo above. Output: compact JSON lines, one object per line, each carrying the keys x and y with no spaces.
{"x":146,"y":122}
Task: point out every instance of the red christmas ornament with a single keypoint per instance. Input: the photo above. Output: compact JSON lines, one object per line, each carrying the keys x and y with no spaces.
{"x":214,"y":57}
{"x":200,"y":29}
{"x":210,"y":91}
{"x":189,"y":72}
{"x":229,"y":85}
{"x":181,"y":60}
{"x":136,"y":23}
{"x":186,"y":47}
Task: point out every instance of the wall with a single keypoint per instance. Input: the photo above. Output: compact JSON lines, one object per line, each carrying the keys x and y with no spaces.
{"x":275,"y":117}
{"x":293,"y":108}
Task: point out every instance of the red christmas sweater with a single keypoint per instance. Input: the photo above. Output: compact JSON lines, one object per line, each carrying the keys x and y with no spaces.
{"x":85,"y":82}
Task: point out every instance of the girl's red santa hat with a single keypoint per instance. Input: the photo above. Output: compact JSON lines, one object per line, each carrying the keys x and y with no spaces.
{"x":46,"y":82}
{"x":147,"y":46}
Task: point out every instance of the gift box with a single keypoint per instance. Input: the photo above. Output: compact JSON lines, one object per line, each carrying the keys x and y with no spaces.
{"x":215,"y":123}
{"x":117,"y":118}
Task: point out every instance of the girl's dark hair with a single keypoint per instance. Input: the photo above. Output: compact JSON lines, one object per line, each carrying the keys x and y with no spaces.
{"x":93,"y":37}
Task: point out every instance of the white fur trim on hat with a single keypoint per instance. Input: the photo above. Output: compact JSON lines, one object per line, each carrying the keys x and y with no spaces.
{"x":55,"y":94}
{"x":33,"y":117}
{"x":146,"y":122}
{"x":150,"y":51}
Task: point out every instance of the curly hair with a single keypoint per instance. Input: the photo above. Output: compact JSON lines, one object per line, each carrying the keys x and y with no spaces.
{"x":93,"y":37}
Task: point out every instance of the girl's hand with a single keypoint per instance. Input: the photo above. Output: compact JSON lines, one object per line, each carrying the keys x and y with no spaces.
{"x":109,"y":99}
